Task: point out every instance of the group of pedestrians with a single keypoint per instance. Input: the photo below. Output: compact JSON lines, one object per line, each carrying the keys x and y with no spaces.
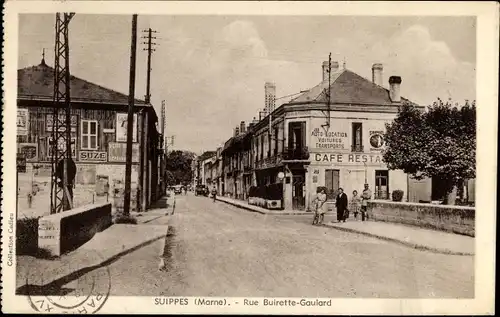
{"x":357,"y":205}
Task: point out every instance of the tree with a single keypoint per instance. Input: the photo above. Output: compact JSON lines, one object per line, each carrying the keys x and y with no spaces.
{"x":440,"y":142}
{"x":178,"y":163}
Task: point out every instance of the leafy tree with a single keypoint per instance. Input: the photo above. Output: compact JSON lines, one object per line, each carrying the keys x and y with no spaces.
{"x":440,"y":142}
{"x":178,"y":166}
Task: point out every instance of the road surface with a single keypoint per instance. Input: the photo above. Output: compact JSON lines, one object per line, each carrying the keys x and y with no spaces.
{"x":215,"y":249}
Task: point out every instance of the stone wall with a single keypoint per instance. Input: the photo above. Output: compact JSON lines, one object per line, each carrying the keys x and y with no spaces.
{"x":68,"y":230}
{"x":456,"y":219}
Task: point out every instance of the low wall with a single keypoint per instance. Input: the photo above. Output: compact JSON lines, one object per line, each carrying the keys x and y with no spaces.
{"x":456,"y":219}
{"x":66,"y":231}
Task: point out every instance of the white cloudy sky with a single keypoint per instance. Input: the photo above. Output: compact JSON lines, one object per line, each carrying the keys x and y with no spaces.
{"x":211,"y":70}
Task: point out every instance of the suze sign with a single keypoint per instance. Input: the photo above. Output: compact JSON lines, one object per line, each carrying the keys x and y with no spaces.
{"x":91,"y":156}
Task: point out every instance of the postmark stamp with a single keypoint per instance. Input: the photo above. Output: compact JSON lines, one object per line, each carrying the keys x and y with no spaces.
{"x":68,"y":288}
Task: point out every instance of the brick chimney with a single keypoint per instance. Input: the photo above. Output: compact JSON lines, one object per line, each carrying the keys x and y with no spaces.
{"x":242,"y":127}
{"x":377,"y":74}
{"x":335,"y":67}
{"x":270,"y":97}
{"x":394,"y":90}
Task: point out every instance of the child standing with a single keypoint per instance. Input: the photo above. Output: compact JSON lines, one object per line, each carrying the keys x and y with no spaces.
{"x":355,"y":204}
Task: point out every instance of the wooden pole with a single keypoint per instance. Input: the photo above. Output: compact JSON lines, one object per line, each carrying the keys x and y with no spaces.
{"x":130,"y":118}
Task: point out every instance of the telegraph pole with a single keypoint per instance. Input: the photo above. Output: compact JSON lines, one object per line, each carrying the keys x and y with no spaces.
{"x":130,"y":118}
{"x":150,"y":50}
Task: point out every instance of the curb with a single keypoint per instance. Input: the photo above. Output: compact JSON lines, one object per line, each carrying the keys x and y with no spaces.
{"x":274,"y":213}
{"x":408,"y":244}
{"x":57,"y":280}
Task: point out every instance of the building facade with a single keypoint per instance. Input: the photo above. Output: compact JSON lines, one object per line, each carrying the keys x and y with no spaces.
{"x":98,"y":132}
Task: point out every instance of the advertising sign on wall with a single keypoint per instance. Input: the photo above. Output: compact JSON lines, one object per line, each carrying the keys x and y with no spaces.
{"x":62,"y":118}
{"x":22,"y":121}
{"x":329,"y":139}
{"x":30,"y":150}
{"x":121,"y":127}
{"x":61,"y":146}
{"x":376,"y":140}
{"x":117,"y":152}
{"x":86,"y":174}
{"x":92,"y":156}
{"x":349,"y":159}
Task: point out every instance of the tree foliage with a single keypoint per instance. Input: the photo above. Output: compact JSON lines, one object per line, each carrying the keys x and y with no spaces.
{"x":178,"y":166}
{"x":440,"y":142}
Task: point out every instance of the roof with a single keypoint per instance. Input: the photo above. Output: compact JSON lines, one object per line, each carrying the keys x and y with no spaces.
{"x":206,"y":155}
{"x":347,"y":87}
{"x":37,"y":83}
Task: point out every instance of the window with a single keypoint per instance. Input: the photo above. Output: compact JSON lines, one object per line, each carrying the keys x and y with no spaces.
{"x":357,"y":137}
{"x":89,"y":135}
{"x":332,"y":183}
{"x":262,"y":147}
{"x":382,"y":184}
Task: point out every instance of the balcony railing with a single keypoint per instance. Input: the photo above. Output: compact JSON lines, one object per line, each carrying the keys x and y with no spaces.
{"x":296,"y":154}
{"x":357,"y":148}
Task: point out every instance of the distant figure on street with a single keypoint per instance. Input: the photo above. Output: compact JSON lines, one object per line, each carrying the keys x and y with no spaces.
{"x":214,"y":193}
{"x":341,"y":204}
{"x":355,"y":205}
{"x":320,"y":207}
{"x":185,"y":190}
{"x":366,"y":196}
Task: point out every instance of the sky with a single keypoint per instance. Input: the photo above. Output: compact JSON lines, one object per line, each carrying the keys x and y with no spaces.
{"x":211,"y":70}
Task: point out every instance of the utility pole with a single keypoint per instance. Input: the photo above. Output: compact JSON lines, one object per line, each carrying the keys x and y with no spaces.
{"x":163,"y":145}
{"x":63,"y":167}
{"x":328,"y":91}
{"x":150,"y":50}
{"x":130,"y":118}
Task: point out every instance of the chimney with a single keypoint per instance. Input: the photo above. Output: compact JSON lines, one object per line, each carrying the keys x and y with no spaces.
{"x":270,"y":97}
{"x":394,"y":90}
{"x":377,"y":74}
{"x":255,"y":121}
{"x":237,"y":131}
{"x":334,"y":66}
{"x":242,"y":127}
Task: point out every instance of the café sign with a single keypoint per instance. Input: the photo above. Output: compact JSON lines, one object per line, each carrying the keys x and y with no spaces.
{"x":344,"y":158}
{"x":117,"y":152}
{"x":92,"y":156}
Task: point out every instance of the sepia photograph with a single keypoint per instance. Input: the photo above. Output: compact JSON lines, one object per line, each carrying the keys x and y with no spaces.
{"x":245,"y":161}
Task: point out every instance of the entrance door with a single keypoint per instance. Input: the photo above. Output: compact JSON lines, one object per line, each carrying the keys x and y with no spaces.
{"x":332,"y":183}
{"x":381,"y":184}
{"x":298,"y":191}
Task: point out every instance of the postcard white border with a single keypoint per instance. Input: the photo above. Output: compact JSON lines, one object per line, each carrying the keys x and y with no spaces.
{"x":487,"y":96}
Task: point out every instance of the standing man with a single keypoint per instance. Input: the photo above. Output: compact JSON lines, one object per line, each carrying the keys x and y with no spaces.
{"x":214,"y":193}
{"x":365,"y":197}
{"x":341,"y":204}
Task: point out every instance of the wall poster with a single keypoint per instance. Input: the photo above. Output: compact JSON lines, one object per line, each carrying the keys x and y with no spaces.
{"x":22,"y":121}
{"x":121,"y":127}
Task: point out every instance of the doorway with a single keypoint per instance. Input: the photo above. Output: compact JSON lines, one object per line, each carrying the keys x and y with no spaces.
{"x":332,"y":183}
{"x":381,"y":184}
{"x":298,"y":191}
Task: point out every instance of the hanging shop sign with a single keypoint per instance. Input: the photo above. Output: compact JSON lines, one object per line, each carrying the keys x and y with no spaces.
{"x":121,"y":127}
{"x":92,"y":156}
{"x":30,"y":150}
{"x":117,"y":152}
{"x":376,"y":140}
{"x":62,"y":119}
{"x":22,"y":121}
{"x":344,"y":158}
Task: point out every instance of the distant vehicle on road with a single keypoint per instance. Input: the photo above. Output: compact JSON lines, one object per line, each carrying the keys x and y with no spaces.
{"x":178,"y":189}
{"x":201,"y":190}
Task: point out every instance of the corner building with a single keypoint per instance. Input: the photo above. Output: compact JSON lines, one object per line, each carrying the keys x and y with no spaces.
{"x":333,"y":141}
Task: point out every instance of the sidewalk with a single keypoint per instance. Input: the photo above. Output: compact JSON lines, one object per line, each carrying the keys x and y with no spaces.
{"x":264,"y":211}
{"x":104,"y":248}
{"x":414,"y":237}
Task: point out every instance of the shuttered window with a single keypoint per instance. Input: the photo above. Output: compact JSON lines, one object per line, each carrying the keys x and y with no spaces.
{"x":89,"y":135}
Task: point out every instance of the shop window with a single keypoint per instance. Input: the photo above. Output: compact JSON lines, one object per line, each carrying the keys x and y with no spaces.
{"x":89,"y":135}
{"x":357,"y":137}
